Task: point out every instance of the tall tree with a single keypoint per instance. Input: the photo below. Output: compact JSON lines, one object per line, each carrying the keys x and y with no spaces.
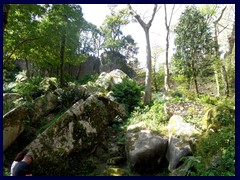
{"x":166,"y":69}
{"x":146,"y":27}
{"x":193,"y":44}
{"x":21,"y":32}
{"x":215,"y":16}
{"x":63,"y":23}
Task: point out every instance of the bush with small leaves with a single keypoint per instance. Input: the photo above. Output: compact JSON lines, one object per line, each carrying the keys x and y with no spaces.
{"x":129,"y":93}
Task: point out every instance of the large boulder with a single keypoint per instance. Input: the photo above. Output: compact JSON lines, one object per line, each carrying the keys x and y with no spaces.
{"x":181,"y":135}
{"x":74,"y":136}
{"x":13,"y":125}
{"x":144,"y":149}
{"x":177,"y":148}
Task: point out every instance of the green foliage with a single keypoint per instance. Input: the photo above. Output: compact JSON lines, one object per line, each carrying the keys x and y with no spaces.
{"x":207,"y":99}
{"x":193,"y":44}
{"x":87,"y":78}
{"x":29,"y":89}
{"x":70,"y":96}
{"x":217,"y":152}
{"x":222,"y":114}
{"x":6,"y":172}
{"x":129,"y":93}
{"x":153,"y":117}
{"x":49,"y":84}
{"x":116,"y":59}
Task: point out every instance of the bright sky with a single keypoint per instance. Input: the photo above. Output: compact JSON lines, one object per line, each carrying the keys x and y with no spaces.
{"x":157,"y":30}
{"x":96,"y":13}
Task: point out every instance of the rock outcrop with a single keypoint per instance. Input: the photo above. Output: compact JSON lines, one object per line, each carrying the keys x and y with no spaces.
{"x":77,"y":133}
{"x":13,"y":125}
{"x":43,"y":105}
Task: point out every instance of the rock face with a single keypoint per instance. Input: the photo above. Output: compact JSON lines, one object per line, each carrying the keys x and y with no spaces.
{"x":77,"y":133}
{"x":13,"y":125}
{"x":43,"y":105}
{"x":145,"y":150}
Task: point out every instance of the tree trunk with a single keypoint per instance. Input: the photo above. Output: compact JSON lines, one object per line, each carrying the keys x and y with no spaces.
{"x":225,"y":80}
{"x":217,"y":82}
{"x":62,"y":53}
{"x":79,"y":70}
{"x":27,"y":68}
{"x":146,"y":27}
{"x":195,"y":77}
{"x":154,"y":75}
{"x":196,"y":84}
{"x":6,"y":8}
{"x":166,"y":69}
{"x":148,"y":90}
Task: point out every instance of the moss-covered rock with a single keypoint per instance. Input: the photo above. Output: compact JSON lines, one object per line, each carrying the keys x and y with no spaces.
{"x":43,"y":105}
{"x":77,"y":133}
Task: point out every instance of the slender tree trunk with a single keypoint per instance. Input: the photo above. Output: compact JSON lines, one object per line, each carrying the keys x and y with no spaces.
{"x":79,"y":70}
{"x":195,"y":77}
{"x":196,"y":84}
{"x":225,"y":80}
{"x":217,"y":53}
{"x":27,"y":68}
{"x":166,"y":69}
{"x":6,"y":8}
{"x":148,"y":90}
{"x":154,"y":74}
{"x":217,"y":82}
{"x":62,"y":53}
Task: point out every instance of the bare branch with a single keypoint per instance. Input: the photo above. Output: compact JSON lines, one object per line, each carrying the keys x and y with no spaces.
{"x":219,"y":18}
{"x":171,"y":15}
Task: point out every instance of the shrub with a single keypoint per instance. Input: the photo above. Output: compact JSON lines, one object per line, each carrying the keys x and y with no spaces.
{"x":29,"y":89}
{"x":129,"y":93}
{"x":207,"y":99}
{"x":153,"y":117}
{"x":217,"y":152}
{"x":70,"y":96}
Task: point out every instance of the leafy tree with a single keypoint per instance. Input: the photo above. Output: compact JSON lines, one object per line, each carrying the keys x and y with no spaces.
{"x":63,"y":23}
{"x":119,"y":49}
{"x":114,"y":39}
{"x":194,"y":44}
{"x":21,"y":32}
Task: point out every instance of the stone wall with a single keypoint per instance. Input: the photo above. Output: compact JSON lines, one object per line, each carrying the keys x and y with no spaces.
{"x":183,"y":108}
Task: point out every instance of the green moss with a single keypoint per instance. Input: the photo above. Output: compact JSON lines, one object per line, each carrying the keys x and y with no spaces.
{"x":115,"y":171}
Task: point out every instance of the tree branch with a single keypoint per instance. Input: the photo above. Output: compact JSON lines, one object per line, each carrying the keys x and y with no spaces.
{"x":219,"y":18}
